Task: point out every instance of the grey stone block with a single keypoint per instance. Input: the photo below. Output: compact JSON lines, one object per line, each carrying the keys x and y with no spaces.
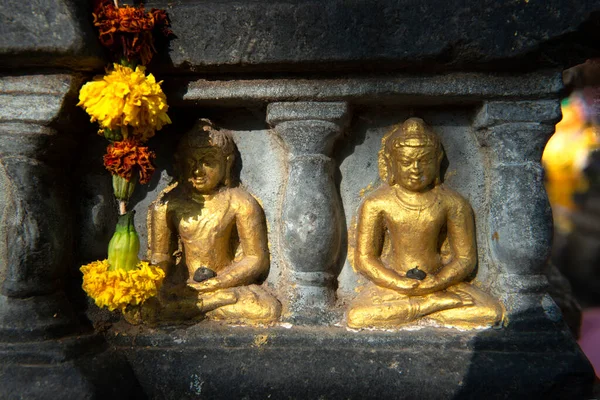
{"x":334,"y":363}
{"x":520,"y":218}
{"x":307,"y":111}
{"x":516,"y":142}
{"x":344,"y":35}
{"x":392,"y":89}
{"x":540,"y":111}
{"x":48,"y":33}
{"x":80,"y":367}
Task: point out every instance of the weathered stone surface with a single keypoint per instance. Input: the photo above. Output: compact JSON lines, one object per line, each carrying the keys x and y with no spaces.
{"x":520,"y":215}
{"x":513,"y":134}
{"x":501,"y":112}
{"x":310,"y":226}
{"x":337,"y":113}
{"x":312,"y":35}
{"x":79,"y":367}
{"x":47,"y":33}
{"x":35,"y":222}
{"x":366,"y":35}
{"x":392,"y":89}
{"x":218,"y":362}
{"x":560,"y":290}
{"x":41,"y":353}
{"x":532,"y":357}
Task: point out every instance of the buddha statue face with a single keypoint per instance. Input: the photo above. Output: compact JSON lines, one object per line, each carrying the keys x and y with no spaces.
{"x":413,"y":153}
{"x":205,"y":158}
{"x":414,"y":168}
{"x":204,"y":169}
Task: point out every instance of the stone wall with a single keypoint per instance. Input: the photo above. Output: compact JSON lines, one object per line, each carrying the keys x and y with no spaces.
{"x":308,"y":88}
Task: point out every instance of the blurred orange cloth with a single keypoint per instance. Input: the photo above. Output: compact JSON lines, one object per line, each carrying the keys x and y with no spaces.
{"x":564,"y":159}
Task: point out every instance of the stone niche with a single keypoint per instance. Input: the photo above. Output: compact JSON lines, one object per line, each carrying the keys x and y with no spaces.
{"x":308,"y":104}
{"x":310,"y":182}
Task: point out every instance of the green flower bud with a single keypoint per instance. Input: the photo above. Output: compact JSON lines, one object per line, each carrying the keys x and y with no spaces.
{"x":123,"y":188}
{"x":124,"y":246}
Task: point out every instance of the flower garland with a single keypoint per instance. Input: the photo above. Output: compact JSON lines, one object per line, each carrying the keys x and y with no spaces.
{"x":129,"y":106}
{"x":126,"y":100}
{"x":119,"y":288}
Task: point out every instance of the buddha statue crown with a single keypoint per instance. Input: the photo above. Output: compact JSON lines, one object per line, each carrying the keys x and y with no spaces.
{"x":206,"y":135}
{"x":413,"y":132}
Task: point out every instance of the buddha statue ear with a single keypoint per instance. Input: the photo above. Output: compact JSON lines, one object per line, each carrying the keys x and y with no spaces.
{"x":386,"y":172}
{"x":440,"y":158}
{"x":228,"y":181}
{"x":177,"y":167}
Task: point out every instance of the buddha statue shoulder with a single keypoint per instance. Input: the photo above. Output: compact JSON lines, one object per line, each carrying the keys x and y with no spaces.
{"x":210,"y":237}
{"x":416,"y":242}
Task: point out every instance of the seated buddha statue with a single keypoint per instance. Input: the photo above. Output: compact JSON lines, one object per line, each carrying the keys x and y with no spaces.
{"x":210,"y":237}
{"x":416,"y":242}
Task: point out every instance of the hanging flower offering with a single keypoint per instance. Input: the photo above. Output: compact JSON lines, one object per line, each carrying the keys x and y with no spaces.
{"x":123,"y":279}
{"x":130,"y":107}
{"x":129,"y":31}
{"x":117,"y":289}
{"x":128,"y":156}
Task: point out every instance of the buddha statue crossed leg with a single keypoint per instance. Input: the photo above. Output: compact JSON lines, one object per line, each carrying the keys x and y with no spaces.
{"x":221,"y":234}
{"x":416,"y":242}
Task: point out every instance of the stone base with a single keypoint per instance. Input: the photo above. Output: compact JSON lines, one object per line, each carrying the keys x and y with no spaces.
{"x":78,"y":367}
{"x":214,"y":361}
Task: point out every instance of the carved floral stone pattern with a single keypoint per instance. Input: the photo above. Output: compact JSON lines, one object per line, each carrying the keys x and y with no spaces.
{"x":306,"y":93}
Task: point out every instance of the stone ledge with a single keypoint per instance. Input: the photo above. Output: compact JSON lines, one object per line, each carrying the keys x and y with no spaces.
{"x":216,"y":361}
{"x":48,"y":33}
{"x":74,"y":367}
{"x":409,"y":90}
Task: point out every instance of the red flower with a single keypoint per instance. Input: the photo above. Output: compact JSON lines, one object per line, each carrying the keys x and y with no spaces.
{"x":128,"y":31}
{"x":123,"y":157}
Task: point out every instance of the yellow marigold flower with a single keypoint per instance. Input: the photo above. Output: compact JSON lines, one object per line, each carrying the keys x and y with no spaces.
{"x":125,"y":99}
{"x":119,"y":288}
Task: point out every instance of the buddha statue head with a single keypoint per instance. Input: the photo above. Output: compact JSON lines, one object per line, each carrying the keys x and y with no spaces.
{"x":205,"y":157}
{"x":410,"y":156}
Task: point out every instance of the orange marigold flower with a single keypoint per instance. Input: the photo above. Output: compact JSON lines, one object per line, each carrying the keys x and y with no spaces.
{"x":123,"y":157}
{"x":128,"y":31}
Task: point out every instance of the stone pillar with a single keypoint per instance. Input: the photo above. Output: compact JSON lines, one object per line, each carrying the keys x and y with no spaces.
{"x":520,"y":219}
{"x":310,"y":232}
{"x":35,"y":221}
{"x":36,"y":247}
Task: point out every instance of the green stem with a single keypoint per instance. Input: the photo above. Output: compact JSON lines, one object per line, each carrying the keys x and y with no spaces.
{"x":128,"y":63}
{"x":113,"y":135}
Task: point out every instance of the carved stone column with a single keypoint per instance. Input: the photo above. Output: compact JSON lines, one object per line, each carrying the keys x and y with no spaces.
{"x":520,"y":219}
{"x":36,"y":247}
{"x":310,"y":232}
{"x":35,"y":222}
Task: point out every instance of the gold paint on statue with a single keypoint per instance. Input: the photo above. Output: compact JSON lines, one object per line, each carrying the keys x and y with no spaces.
{"x":209,"y":224}
{"x":413,"y":222}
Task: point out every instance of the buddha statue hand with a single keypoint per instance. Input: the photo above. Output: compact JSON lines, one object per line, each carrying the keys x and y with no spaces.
{"x":404,"y":285}
{"x":429,"y":284}
{"x":203,"y":274}
{"x":208,"y":285}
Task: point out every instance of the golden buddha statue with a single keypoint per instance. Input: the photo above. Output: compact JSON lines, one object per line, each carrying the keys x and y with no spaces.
{"x":210,"y":237}
{"x":416,"y":242}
